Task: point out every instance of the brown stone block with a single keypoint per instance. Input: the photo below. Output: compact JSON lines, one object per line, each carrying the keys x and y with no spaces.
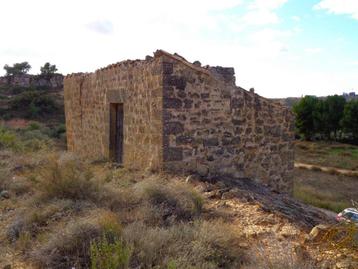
{"x":173,"y":128}
{"x":172,"y":102}
{"x":173,"y":154}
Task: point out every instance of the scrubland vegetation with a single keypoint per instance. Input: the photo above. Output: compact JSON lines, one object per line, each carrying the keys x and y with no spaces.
{"x":80,"y":214}
{"x":70,"y":213}
{"x":58,"y":211}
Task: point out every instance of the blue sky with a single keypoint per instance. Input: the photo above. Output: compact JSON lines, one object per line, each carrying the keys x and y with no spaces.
{"x":280,"y":47}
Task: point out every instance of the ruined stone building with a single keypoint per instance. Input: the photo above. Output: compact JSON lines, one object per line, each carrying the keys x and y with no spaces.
{"x":164,"y":113}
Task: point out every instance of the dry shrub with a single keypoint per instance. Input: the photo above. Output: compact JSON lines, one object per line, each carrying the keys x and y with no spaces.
{"x":32,"y":221}
{"x":342,"y":235}
{"x":5,"y":176}
{"x":192,"y":245}
{"x":167,"y":202}
{"x":122,"y":201}
{"x":68,"y":178}
{"x":71,"y":247}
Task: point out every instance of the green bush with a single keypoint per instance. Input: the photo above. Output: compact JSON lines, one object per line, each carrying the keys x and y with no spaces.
{"x":33,"y":104}
{"x":33,"y":126}
{"x":109,"y":255}
{"x":23,"y":140}
{"x":9,"y":140}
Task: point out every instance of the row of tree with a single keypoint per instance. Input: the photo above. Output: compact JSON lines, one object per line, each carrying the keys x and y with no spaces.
{"x":24,"y":67}
{"x":326,"y":118}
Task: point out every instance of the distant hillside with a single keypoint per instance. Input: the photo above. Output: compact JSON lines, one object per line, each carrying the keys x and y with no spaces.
{"x":32,"y":97}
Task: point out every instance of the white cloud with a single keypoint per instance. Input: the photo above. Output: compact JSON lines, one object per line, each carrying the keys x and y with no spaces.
{"x":267,"y":4}
{"x":313,"y":50}
{"x":101,"y":26}
{"x":65,"y":33}
{"x":296,"y":18}
{"x":262,"y":12}
{"x":339,"y":7}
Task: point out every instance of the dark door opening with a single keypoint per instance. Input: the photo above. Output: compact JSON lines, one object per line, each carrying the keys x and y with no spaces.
{"x":116,"y":132}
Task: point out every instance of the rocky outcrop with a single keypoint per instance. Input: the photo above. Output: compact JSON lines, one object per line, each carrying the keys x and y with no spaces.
{"x":249,"y":191}
{"x":53,"y":82}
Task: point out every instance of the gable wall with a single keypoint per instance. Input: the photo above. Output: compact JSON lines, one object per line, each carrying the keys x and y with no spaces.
{"x":136,"y":84}
{"x":215,"y":128}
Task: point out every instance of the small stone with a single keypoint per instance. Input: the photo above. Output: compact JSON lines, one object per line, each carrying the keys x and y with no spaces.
{"x":189,"y":179}
{"x":212,"y":194}
{"x":203,"y":170}
{"x":4,"y":194}
{"x":345,"y":264}
{"x":317,"y":231}
{"x":8,"y":266}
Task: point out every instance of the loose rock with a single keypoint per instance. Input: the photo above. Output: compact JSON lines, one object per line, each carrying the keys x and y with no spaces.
{"x":4,"y":194}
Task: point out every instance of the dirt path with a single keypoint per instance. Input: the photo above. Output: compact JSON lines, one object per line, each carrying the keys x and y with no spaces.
{"x":327,"y":169}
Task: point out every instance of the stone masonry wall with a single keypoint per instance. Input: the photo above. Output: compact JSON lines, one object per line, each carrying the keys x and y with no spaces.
{"x":136,"y":84}
{"x":183,"y":118}
{"x":215,"y":128}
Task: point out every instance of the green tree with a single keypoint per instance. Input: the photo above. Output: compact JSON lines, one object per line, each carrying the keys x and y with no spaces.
{"x":350,"y":118}
{"x":48,"y":69}
{"x":320,"y":119}
{"x":335,"y":107}
{"x":17,"y":69}
{"x":305,"y":116}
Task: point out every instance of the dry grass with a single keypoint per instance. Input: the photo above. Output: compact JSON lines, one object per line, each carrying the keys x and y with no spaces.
{"x":332,"y":192}
{"x":327,"y":154}
{"x":198,"y":245}
{"x":71,"y":247}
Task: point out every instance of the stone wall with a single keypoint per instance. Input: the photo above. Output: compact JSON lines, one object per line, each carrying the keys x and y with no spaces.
{"x":54,"y":82}
{"x":136,"y":84}
{"x":181,"y":117}
{"x":215,"y":128}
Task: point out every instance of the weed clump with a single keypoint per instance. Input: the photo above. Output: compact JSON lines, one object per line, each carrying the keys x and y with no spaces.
{"x":72,"y":247}
{"x":68,"y":178}
{"x":167,"y":202}
{"x":193,"y":245}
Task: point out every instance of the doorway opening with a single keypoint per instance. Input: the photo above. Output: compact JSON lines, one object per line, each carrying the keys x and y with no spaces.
{"x":116,"y":132}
